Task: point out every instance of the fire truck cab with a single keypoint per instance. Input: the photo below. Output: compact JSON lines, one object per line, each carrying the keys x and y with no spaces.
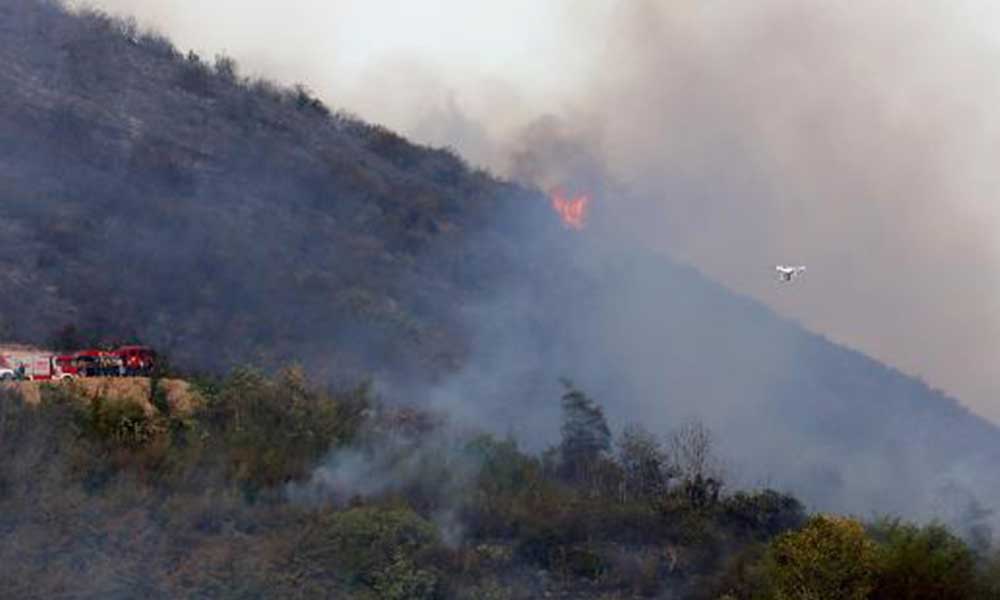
{"x":136,"y":360}
{"x":6,"y":372}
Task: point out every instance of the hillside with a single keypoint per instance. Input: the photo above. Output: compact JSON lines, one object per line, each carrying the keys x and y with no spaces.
{"x":347,"y":498}
{"x":149,"y":194}
{"x":155,"y":196}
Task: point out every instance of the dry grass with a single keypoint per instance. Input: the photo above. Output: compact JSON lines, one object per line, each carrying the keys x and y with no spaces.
{"x":179,"y":394}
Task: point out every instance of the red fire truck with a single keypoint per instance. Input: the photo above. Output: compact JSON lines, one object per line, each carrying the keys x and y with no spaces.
{"x":125,"y":361}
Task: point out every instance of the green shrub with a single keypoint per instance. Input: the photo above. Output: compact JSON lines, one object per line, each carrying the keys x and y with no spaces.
{"x":830,"y":558}
{"x":763,"y":513}
{"x":274,"y":430}
{"x":367,"y":544}
{"x":403,"y":580}
{"x":503,"y":468}
{"x":917,"y":563}
{"x":117,"y":423}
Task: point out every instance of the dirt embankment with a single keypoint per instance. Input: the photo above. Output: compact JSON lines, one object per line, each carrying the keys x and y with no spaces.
{"x":179,"y":394}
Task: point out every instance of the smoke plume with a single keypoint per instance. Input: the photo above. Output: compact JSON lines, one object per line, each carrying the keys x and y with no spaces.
{"x":852,"y":138}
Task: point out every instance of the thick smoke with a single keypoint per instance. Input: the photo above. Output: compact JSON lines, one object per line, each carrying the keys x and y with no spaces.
{"x":845,"y":138}
{"x":853,"y":138}
{"x":850,"y":138}
{"x":435,"y":467}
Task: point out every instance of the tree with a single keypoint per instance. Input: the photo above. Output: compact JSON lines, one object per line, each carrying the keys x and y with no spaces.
{"x":692,"y":459}
{"x":226,"y":68}
{"x":691,"y":454}
{"x":643,"y":461}
{"x":585,"y":434}
{"x":922,"y":562}
{"x":830,"y":558}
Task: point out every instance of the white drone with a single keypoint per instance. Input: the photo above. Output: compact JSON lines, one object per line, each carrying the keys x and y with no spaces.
{"x":787,"y":274}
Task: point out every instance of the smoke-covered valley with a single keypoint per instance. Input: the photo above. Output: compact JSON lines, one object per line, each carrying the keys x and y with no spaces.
{"x":152,"y":195}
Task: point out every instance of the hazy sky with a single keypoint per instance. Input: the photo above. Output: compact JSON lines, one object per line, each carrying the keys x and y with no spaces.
{"x":859,"y":140}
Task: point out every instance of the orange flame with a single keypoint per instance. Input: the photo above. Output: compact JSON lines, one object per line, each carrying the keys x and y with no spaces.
{"x":572,"y":211}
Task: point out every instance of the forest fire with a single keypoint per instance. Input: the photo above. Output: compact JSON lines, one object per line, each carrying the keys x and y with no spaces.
{"x":572,"y":211}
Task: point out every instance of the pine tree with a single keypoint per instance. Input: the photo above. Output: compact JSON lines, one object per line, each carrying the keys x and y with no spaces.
{"x":585,"y":434}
